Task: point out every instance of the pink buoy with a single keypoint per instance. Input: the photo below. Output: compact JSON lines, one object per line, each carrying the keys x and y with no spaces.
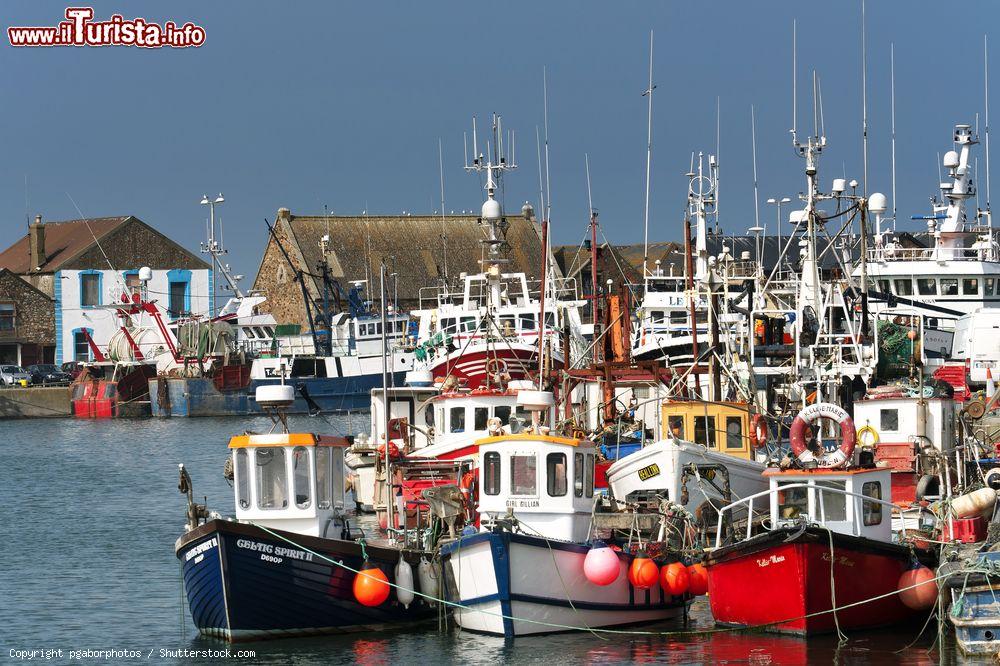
{"x":601,"y":565}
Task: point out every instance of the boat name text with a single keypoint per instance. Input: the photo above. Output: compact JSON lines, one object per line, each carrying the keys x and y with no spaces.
{"x":200,"y":550}
{"x":649,"y":472}
{"x":768,"y":561}
{"x":272,"y":553}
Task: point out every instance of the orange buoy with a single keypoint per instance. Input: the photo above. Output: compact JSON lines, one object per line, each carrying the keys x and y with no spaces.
{"x":371,"y":585}
{"x":674,"y":579}
{"x":698,"y":579}
{"x":643,"y":572}
{"x":924,"y":595}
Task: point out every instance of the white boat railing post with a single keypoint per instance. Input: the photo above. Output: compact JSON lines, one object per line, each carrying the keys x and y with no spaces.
{"x":749,"y":517}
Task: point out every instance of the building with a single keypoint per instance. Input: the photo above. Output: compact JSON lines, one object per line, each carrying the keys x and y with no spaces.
{"x":83,"y":266}
{"x":27,"y":322}
{"x":420,"y":251}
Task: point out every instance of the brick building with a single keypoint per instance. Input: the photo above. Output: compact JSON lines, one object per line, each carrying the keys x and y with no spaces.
{"x":83,"y":266}
{"x":27,"y":322}
{"x":421,"y":250}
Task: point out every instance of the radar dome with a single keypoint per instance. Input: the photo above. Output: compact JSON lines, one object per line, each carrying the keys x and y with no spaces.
{"x":950,"y":159}
{"x":877,"y":203}
{"x":491,"y":209}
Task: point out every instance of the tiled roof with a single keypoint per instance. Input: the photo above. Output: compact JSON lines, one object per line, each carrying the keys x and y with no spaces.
{"x":63,"y":241}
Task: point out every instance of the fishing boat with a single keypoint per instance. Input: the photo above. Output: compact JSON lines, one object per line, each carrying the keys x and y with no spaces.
{"x":287,"y":564}
{"x":824,"y":550}
{"x":524,"y":572}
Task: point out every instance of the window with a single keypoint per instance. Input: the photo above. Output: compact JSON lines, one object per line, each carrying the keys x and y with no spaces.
{"x":970,"y":286}
{"x":242,"y":479}
{"x":734,"y":432}
{"x":247,"y":331}
{"x":260,"y":332}
{"x":300,"y":473}
{"x":272,"y":483}
{"x":949,"y":287}
{"x":834,"y":505}
{"x":555,"y":474}
{"x":578,"y":475}
{"x":527,"y":322}
{"x":656,"y":316}
{"x":324,"y":482}
{"x":588,"y":471}
{"x":989,"y":287}
{"x":550,"y":320}
{"x":522,"y":475}
{"x":456,"y":420}
{"x":6,"y":316}
{"x":81,"y":346}
{"x":872,"y":511}
{"x":491,"y":473}
{"x":429,"y":416}
{"x":176,"y":303}
{"x":468,"y":324}
{"x":678,"y":317}
{"x":132,"y":282}
{"x":792,"y":502}
{"x":447,"y":324}
{"x":889,"y":420}
{"x":883,"y":286}
{"x":90,"y":289}
{"x":480,"y":415}
{"x":502,"y":412}
{"x":676,"y":425}
{"x":904,"y":287}
{"x":508,"y":324}
{"x":927,"y":286}
{"x":704,"y":431}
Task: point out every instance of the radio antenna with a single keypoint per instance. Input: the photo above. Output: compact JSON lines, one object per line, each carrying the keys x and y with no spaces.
{"x":864,"y":99}
{"x":795,"y":72}
{"x":649,"y":156}
{"x":545,"y":119}
{"x":892,"y":112}
{"x":986,"y":90}
{"x":444,"y":235}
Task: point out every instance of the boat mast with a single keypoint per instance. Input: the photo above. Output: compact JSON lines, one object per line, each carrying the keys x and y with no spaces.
{"x":649,"y":157}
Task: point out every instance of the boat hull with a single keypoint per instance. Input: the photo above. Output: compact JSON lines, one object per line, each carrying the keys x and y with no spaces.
{"x":794,"y":567}
{"x":975,"y":610}
{"x":468,"y":364}
{"x":243,"y":583}
{"x":515,"y":585}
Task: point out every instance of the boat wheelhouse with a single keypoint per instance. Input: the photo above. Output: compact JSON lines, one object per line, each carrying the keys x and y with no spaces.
{"x":820,"y":539}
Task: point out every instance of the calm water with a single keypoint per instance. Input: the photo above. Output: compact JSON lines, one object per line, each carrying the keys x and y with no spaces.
{"x":91,"y":512}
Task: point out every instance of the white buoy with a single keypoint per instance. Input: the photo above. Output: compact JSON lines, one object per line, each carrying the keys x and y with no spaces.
{"x":428,"y":578}
{"x":404,"y":581}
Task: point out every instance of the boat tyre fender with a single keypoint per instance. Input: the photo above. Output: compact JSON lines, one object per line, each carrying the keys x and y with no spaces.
{"x":929,"y":485}
{"x":811,"y":414}
{"x":759,"y":431}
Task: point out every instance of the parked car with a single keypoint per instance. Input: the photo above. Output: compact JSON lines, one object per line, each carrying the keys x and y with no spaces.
{"x":46,"y":373}
{"x":13,"y":375}
{"x":72,"y":368}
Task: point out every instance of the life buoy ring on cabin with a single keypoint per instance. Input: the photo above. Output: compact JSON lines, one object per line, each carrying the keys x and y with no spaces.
{"x":808,"y":416}
{"x":496,"y":366}
{"x":759,"y":431}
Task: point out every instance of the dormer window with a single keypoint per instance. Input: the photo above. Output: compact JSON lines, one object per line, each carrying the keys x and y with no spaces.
{"x":272,"y":482}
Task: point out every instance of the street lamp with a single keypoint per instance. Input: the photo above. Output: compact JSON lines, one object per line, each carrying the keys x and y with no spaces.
{"x":779,"y":203}
{"x":212,"y":246}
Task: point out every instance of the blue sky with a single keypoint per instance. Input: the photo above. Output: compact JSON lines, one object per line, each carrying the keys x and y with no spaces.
{"x":342,"y":103}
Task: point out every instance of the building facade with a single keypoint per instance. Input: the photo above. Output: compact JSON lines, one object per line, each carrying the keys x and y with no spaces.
{"x":86,"y":266}
{"x":27,"y":322}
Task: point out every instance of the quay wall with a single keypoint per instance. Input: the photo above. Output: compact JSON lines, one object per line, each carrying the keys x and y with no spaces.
{"x":34,"y":402}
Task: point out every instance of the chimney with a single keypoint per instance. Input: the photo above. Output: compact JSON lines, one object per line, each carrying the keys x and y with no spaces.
{"x":36,"y":243}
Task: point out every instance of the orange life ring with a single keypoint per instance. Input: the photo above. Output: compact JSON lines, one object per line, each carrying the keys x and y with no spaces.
{"x":496,"y":366}
{"x":808,"y":416}
{"x":759,"y":432}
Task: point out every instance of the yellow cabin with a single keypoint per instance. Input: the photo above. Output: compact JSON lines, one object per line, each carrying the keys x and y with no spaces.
{"x":720,"y":426}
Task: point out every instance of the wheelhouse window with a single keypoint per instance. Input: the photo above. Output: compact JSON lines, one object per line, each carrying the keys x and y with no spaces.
{"x":734,"y":432}
{"x":324,"y":482}
{"x":872,"y":511}
{"x":704,"y":431}
{"x":889,"y":420}
{"x":242,"y":479}
{"x":523,"y":475}
{"x":903,"y":287}
{"x":508,"y":324}
{"x":927,"y":286}
{"x":676,"y":425}
{"x":578,"y":460}
{"x":502,"y":412}
{"x":555,"y":474}
{"x":792,"y":502}
{"x":990,"y":290}
{"x":949,"y":287}
{"x":588,"y":473}
{"x":272,"y":481}
{"x":527,"y":322}
{"x":468,"y":324}
{"x":883,"y":286}
{"x":656,"y":316}
{"x":678,"y":317}
{"x":480,"y":416}
{"x":970,"y":286}
{"x":300,"y":474}
{"x":456,"y":419}
{"x":831,"y":504}
{"x":491,"y":473}
{"x":90,"y":289}
{"x":447,"y":324}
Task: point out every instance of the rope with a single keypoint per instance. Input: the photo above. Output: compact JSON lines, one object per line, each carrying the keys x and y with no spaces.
{"x":841,"y":636}
{"x":621,"y":632}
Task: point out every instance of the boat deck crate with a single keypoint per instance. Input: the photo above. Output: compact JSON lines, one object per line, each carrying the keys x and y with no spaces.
{"x":965,"y":530}
{"x":900,"y":456}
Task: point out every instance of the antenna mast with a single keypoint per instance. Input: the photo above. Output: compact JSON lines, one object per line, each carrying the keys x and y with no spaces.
{"x":649,"y":156}
{"x":545,"y":112}
{"x":892,"y":111}
{"x":986,"y":86}
{"x":444,"y":236}
{"x":864,"y":98}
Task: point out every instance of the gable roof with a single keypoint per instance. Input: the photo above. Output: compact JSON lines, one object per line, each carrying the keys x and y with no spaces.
{"x":63,"y":241}
{"x":6,"y":274}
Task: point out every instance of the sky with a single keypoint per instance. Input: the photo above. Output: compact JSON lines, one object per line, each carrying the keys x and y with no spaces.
{"x":342,"y":104}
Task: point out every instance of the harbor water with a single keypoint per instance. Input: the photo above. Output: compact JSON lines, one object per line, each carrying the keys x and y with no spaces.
{"x":91,"y":512}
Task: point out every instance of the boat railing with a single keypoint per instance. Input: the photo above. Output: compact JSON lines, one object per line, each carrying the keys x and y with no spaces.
{"x":895,"y":253}
{"x":858,"y":505}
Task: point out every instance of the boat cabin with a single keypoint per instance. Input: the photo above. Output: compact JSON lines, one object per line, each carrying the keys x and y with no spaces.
{"x":547,"y":483}
{"x":289,"y":481}
{"x":719,"y":426}
{"x":833,"y":498}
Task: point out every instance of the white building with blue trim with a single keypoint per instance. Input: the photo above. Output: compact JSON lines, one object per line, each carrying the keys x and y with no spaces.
{"x":87,"y":265}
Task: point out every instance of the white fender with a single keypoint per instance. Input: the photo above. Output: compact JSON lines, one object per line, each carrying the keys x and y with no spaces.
{"x":428,"y":578}
{"x":404,"y":579}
